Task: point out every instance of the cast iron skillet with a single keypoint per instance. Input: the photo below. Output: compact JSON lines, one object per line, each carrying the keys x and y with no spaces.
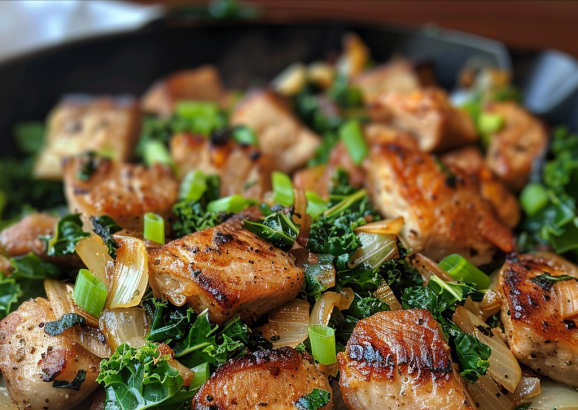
{"x":245,"y":53}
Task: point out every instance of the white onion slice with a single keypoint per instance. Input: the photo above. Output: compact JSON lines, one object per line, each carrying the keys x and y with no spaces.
{"x":62,"y":302}
{"x":567,"y":296}
{"x":126,"y":325}
{"x":94,"y":253}
{"x":131,"y":274}
{"x":288,"y":324}
{"x":375,"y":249}
{"x":429,"y":268}
{"x":504,"y":367}
{"x":385,"y":294}
{"x":90,"y":338}
{"x":6,"y":402}
{"x":321,"y":312}
{"x":489,"y":306}
{"x":488,"y":396}
{"x":555,"y":395}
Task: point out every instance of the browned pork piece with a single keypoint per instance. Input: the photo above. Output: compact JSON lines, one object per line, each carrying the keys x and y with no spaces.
{"x":504,"y":202}
{"x":24,"y":236}
{"x":443,"y":210}
{"x":401,"y":76}
{"x":31,"y":360}
{"x":517,"y":145}
{"x":84,"y":123}
{"x":400,"y":359}
{"x":428,"y":114}
{"x":226,"y":270}
{"x":270,"y":379}
{"x":200,"y":84}
{"x":533,"y":316}
{"x":242,"y":169}
{"x":281,"y":135}
{"x":125,"y":192}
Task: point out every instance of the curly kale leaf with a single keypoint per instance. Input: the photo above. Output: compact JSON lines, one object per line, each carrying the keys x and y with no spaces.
{"x":140,"y":378}
{"x":10,"y":292}
{"x":315,"y":400}
{"x":68,"y":233}
{"x":277,"y":228}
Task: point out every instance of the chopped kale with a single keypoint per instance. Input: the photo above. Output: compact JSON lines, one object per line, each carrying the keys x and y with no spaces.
{"x":277,"y":228}
{"x":68,"y":233}
{"x":104,"y":226}
{"x":315,"y":400}
{"x":67,"y":321}
{"x":546,"y":281}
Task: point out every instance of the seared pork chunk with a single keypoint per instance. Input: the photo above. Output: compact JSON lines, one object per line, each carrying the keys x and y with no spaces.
{"x":400,"y":359}
{"x":83,"y":123}
{"x":443,"y":210}
{"x":535,"y":329}
{"x":23,"y":237}
{"x":281,"y":135}
{"x":199,"y":84}
{"x":401,"y":76}
{"x":31,"y":360}
{"x":242,"y":169}
{"x":515,"y":147}
{"x":271,"y":379}
{"x":125,"y":192}
{"x":428,"y":114}
{"x":226,"y":270}
{"x":503,"y":201}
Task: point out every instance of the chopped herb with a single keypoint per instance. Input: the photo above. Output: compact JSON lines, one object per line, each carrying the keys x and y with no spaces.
{"x":315,"y":400}
{"x":68,"y":233}
{"x":104,"y":226}
{"x":277,"y":228}
{"x":74,"y":384}
{"x":67,"y":321}
{"x":89,"y":164}
{"x":546,"y":281}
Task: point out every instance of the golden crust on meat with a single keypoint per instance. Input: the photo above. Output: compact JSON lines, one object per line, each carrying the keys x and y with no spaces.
{"x":242,"y":169}
{"x":513,"y":149}
{"x":23,"y":237}
{"x":30,"y":360}
{"x":503,"y":201}
{"x":536,"y":332}
{"x":281,"y":135}
{"x":428,"y":114}
{"x":82,"y":123}
{"x":274,"y":378}
{"x":226,"y":270}
{"x":400,"y":359}
{"x":442,"y":215}
{"x":125,"y":192}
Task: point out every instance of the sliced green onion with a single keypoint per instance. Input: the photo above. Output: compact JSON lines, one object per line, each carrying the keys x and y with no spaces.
{"x":315,"y":204}
{"x":282,"y":189}
{"x":89,"y":292}
{"x":322,"y":343}
{"x":490,"y":123}
{"x":352,"y":136}
{"x":534,"y":198}
{"x":202,"y":374}
{"x":156,"y":152}
{"x":193,"y":186}
{"x":245,"y":136}
{"x":345,"y":203}
{"x":154,"y":228}
{"x":192,"y":109}
{"x":460,"y":269}
{"x":234,"y":203}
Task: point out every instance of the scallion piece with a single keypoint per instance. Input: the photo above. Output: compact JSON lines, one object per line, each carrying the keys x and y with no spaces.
{"x":156,"y":152}
{"x":489,"y":123}
{"x":534,"y":198}
{"x":193,"y":186}
{"x":192,"y":109}
{"x":154,"y":227}
{"x":322,"y":343}
{"x":315,"y":204}
{"x":352,"y":136}
{"x":245,"y":136}
{"x":282,"y":189}
{"x":460,"y":269}
{"x":345,"y":203}
{"x":89,"y":292}
{"x":234,"y":203}
{"x":202,"y":374}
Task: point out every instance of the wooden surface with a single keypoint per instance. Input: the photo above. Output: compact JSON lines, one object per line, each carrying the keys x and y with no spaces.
{"x":522,"y":24}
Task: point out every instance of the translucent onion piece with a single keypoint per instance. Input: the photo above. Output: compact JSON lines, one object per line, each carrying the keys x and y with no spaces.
{"x":288,"y":324}
{"x":131,"y":275}
{"x":321,"y":312}
{"x":6,"y":402}
{"x":94,"y":253}
{"x":385,"y":294}
{"x":60,"y":296}
{"x":489,"y":306}
{"x":429,"y":268}
{"x":487,"y":395}
{"x":567,"y":295}
{"x":90,"y":338}
{"x":555,"y":396}
{"x":527,"y":388}
{"x":300,"y":206}
{"x":385,"y":226}
{"x":375,"y":249}
{"x":127,"y":325}
{"x":559,"y":263}
{"x":504,"y":367}
{"x":291,"y":80}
